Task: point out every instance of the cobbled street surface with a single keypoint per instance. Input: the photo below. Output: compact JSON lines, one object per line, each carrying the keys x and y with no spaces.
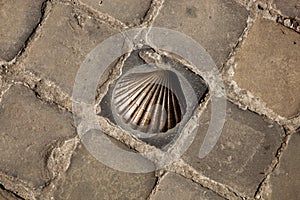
{"x":256,"y":47}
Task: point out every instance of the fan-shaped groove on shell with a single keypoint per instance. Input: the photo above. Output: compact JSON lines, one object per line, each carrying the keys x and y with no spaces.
{"x":151,"y":102}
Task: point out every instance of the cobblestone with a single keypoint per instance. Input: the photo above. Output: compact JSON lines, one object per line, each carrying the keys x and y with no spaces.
{"x":216,"y":25}
{"x":18,"y":20}
{"x":28,"y":129}
{"x":243,"y":153}
{"x":71,"y":35}
{"x":291,"y":9}
{"x":286,"y":179}
{"x":182,"y":188}
{"x":87,"y":178}
{"x":130,"y":11}
{"x":5,"y":195}
{"x":269,"y":69}
{"x":42,"y":45}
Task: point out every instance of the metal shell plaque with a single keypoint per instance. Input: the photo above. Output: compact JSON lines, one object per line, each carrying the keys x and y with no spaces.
{"x":150,"y":102}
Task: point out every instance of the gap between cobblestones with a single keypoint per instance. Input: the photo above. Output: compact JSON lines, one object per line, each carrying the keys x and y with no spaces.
{"x":102,"y":17}
{"x":60,"y":156}
{"x":263,"y":189}
{"x":10,"y":192}
{"x":18,"y":187}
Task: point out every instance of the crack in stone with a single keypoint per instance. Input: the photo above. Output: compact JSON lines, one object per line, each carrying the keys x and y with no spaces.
{"x":44,"y":89}
{"x":114,"y":73}
{"x":263,"y":188}
{"x":157,"y":183}
{"x":50,"y":92}
{"x":184,"y":169}
{"x":11,"y":192}
{"x":99,"y":16}
{"x":18,"y":187}
{"x":58,"y":163}
{"x":152,"y":13}
{"x":45,"y":10}
{"x":4,"y":87}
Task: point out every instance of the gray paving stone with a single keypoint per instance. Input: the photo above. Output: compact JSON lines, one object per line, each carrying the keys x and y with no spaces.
{"x":290,"y":8}
{"x":285,"y":180}
{"x":245,"y":149}
{"x":216,"y":24}
{"x":129,"y":11}
{"x":28,"y":128}
{"x":18,"y":19}
{"x":269,"y":68}
{"x":88,"y":178}
{"x":174,"y":187}
{"x":67,"y":37}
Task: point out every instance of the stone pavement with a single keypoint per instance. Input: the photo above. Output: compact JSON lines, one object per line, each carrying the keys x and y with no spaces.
{"x":256,"y":47}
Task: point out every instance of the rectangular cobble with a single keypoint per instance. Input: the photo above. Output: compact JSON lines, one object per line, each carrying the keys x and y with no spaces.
{"x":285,"y":180}
{"x":245,"y":149}
{"x":28,"y":129}
{"x":269,"y":67}
{"x":5,"y":195}
{"x":176,"y":187}
{"x":129,"y":11}
{"x":18,"y":20}
{"x":88,"y":178}
{"x":216,"y":25}
{"x":66,"y":37}
{"x":290,"y":9}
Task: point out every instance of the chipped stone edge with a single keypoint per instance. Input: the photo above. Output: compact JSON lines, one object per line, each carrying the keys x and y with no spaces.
{"x":31,"y":81}
{"x":18,"y":187}
{"x":58,"y":163}
{"x":152,"y":13}
{"x":246,"y":100}
{"x":287,"y":21}
{"x":45,"y":11}
{"x":157,"y":184}
{"x":99,"y":16}
{"x":4,"y":87}
{"x":182,"y":168}
{"x":113,"y":75}
{"x":264,"y":190}
{"x":10,"y":193}
{"x":44,"y":89}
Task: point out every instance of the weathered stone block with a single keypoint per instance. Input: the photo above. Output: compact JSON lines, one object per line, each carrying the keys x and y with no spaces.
{"x":174,"y":186}
{"x":28,"y":129}
{"x":216,"y":25}
{"x":18,"y":20}
{"x":67,"y":37}
{"x":285,"y":180}
{"x":268,"y":66}
{"x":129,"y":11}
{"x":88,"y":178}
{"x":291,"y":8}
{"x":246,"y":148}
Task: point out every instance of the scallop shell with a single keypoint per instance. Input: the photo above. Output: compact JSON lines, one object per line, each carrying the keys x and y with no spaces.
{"x":151,"y":102}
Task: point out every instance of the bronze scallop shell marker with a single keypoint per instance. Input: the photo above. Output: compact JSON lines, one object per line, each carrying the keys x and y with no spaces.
{"x":150,"y":102}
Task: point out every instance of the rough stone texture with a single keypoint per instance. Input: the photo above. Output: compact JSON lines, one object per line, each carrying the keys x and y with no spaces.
{"x":290,"y":8}
{"x":88,"y":178}
{"x":269,"y":68}
{"x":28,"y":128}
{"x":129,"y":11}
{"x":173,"y":187}
{"x":18,"y":20}
{"x":245,"y":149}
{"x":5,"y":195}
{"x":285,"y":180}
{"x":216,"y":24}
{"x":67,"y":37}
